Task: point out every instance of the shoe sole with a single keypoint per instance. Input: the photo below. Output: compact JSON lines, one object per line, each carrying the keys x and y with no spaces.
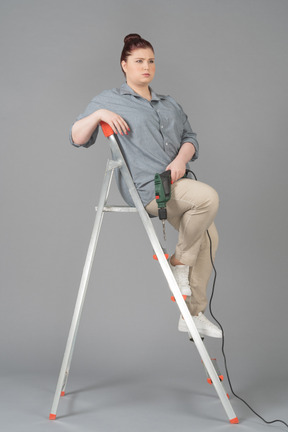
{"x":183,"y":328}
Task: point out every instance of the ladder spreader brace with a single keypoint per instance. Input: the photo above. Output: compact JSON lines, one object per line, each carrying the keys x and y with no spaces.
{"x":118,"y":161}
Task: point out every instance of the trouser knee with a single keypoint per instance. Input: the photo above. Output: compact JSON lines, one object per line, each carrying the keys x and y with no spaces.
{"x":214,"y":201}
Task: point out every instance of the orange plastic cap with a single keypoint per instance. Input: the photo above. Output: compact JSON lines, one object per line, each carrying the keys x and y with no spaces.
{"x":173,"y":298}
{"x":63,"y":393}
{"x":107,"y":130}
{"x":52,"y":417}
{"x":155,"y":256}
{"x":234,"y":421}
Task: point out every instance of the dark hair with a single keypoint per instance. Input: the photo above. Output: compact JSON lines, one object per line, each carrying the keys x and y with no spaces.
{"x":132,"y":42}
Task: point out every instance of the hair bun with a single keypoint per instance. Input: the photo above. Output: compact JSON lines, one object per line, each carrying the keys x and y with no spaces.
{"x":131,"y":36}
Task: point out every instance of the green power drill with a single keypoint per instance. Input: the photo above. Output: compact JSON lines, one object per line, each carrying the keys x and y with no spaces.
{"x":163,"y":194}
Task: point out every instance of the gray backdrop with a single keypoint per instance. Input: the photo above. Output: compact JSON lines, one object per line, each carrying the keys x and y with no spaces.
{"x":225,"y":61}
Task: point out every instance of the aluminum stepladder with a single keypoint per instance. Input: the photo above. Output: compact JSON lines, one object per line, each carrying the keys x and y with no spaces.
{"x":118,"y":162}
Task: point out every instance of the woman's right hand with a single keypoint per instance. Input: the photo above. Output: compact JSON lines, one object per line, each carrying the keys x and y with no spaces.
{"x":117,"y":123}
{"x":83,"y":129}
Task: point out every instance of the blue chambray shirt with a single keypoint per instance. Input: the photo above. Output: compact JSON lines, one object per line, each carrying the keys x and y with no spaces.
{"x":158,"y":128}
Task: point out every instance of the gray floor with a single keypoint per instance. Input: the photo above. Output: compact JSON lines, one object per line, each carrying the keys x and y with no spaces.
{"x":135,"y":400}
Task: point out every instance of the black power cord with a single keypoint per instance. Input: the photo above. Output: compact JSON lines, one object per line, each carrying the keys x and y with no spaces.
{"x":223,"y":341}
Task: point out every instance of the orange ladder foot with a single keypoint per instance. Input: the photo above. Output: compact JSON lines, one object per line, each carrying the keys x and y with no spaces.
{"x":234,"y":421}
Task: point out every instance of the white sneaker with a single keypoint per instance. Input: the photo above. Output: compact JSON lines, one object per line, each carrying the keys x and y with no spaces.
{"x":204,"y":326}
{"x":181,"y":274}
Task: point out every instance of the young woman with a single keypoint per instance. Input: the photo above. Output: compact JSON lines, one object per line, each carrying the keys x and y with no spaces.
{"x":155,"y":136}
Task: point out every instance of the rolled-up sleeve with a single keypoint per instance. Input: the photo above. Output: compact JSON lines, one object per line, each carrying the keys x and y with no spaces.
{"x":188,"y":135}
{"x":89,"y":143}
{"x":92,"y":107}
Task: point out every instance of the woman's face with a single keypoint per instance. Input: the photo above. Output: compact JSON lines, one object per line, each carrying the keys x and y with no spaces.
{"x":140,"y":67}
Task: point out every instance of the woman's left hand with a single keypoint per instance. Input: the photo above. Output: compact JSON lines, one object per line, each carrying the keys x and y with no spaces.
{"x":178,"y":165}
{"x":178,"y":169}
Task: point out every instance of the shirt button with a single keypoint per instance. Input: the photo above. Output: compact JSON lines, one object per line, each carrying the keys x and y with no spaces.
{"x":162,"y":126}
{"x":166,"y":144}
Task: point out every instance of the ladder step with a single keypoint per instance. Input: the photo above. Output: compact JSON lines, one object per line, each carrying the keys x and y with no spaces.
{"x":120,"y":209}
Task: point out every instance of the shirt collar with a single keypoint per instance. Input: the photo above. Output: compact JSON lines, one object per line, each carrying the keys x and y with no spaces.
{"x":125,"y":90}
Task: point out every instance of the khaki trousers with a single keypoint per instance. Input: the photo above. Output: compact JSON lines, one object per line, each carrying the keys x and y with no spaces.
{"x":191,"y":211}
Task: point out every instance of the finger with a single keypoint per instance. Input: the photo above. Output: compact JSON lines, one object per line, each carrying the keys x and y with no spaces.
{"x":177,"y":175}
{"x":112,"y":126}
{"x":124,"y":126}
{"x":173,"y":176}
{"x":120,"y":125}
{"x":115,"y":126}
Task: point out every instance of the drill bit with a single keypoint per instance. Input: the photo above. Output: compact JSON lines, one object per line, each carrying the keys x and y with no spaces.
{"x":164,"y":229}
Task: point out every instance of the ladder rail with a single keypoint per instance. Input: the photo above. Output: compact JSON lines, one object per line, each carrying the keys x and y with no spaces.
{"x":66,"y":362}
{"x":172,"y":282}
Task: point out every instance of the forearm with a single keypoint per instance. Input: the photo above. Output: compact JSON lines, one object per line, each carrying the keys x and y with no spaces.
{"x":186,"y":152}
{"x":178,"y":165}
{"x":83,"y":129}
